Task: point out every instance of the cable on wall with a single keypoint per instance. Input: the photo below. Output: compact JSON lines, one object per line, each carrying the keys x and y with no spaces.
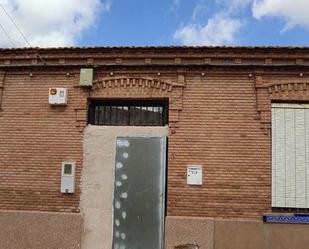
{"x":7,"y":35}
{"x":20,"y":31}
{"x":15,"y":24}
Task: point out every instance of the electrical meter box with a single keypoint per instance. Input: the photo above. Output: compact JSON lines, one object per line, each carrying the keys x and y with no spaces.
{"x":194,"y":175}
{"x":86,"y":77}
{"x":68,"y":177}
{"x":58,"y":96}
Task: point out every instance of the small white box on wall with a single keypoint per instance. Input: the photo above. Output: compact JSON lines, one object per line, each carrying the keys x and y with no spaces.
{"x":58,"y":96}
{"x":194,"y":175}
{"x":68,"y":177}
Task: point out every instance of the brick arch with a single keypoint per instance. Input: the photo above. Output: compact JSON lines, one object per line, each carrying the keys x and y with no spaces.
{"x":137,"y":82}
{"x":139,"y":88}
{"x":266,"y":92}
{"x":286,"y":87}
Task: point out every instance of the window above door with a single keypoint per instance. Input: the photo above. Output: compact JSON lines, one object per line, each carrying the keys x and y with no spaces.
{"x":115,"y":112}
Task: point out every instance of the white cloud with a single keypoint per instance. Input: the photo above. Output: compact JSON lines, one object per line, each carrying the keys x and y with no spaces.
{"x":199,"y":9}
{"x":226,"y":7}
{"x":219,"y":30}
{"x":233,"y":5}
{"x":222,"y":27}
{"x":48,"y":22}
{"x":292,"y":11}
{"x":175,"y":5}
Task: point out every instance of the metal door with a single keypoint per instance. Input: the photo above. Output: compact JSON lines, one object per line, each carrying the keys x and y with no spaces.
{"x":139,"y":195}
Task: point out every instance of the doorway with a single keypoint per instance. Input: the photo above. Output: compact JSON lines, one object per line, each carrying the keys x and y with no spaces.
{"x":139,"y":193}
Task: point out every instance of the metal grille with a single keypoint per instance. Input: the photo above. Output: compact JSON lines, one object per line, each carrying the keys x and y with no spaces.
{"x":128,"y":112}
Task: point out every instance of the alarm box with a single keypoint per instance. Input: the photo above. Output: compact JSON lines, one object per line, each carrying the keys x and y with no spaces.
{"x":58,"y":96}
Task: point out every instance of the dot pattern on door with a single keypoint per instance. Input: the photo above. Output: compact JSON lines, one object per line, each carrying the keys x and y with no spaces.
{"x":120,"y":236}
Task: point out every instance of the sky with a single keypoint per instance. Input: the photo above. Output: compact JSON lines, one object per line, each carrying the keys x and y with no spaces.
{"x":54,"y":23}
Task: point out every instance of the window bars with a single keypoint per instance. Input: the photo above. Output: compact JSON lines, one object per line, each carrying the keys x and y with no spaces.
{"x":128,"y":112}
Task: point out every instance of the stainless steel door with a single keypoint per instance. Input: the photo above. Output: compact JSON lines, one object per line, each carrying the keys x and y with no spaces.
{"x":139,"y":195}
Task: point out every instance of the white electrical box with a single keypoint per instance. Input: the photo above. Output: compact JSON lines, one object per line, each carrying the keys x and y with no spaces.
{"x":58,"y":96}
{"x":194,"y":175}
{"x":68,"y":177}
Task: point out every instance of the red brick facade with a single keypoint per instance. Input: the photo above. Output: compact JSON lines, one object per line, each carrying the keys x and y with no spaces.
{"x":219,"y":116}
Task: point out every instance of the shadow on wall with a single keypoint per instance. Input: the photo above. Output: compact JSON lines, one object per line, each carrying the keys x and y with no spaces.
{"x":187,"y":246}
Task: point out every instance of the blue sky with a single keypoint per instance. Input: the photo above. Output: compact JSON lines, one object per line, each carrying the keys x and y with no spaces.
{"x":138,"y":22}
{"x":144,"y":22}
{"x":160,"y":22}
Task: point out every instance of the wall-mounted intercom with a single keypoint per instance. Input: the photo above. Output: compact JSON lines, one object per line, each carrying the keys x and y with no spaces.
{"x":194,"y":175}
{"x":68,"y":177}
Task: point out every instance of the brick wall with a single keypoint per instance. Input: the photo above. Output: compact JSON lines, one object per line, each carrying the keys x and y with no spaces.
{"x":219,"y":117}
{"x":34,"y":139}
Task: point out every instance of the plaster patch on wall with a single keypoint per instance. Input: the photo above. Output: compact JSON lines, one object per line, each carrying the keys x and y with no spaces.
{"x":98,"y":180}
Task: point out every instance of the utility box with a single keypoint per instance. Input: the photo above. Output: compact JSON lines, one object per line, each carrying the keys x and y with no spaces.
{"x":194,"y":175}
{"x":86,"y":77}
{"x":58,"y":96}
{"x":68,"y":177}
